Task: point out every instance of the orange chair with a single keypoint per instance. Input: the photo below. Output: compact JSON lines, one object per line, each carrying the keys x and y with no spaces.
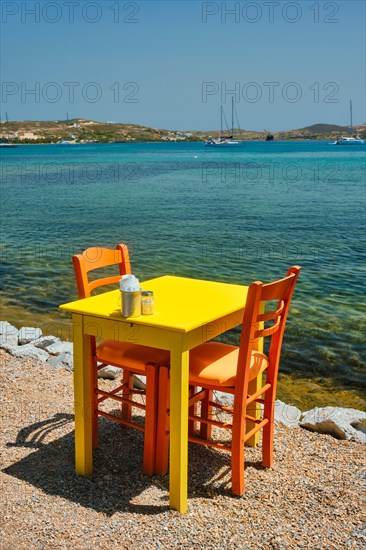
{"x":132,"y":358}
{"x":215,"y":366}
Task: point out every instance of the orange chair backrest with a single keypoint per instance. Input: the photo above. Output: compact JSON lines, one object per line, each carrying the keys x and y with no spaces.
{"x":255,"y":320}
{"x":96,"y":258}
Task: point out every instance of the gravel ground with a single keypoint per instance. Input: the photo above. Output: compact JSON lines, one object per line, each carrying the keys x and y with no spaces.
{"x":311,"y":498}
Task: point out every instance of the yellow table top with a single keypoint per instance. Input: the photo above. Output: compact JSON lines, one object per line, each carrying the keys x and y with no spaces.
{"x":181,"y":304}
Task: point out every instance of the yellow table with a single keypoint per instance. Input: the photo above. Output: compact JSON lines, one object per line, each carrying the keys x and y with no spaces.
{"x":188,"y":312}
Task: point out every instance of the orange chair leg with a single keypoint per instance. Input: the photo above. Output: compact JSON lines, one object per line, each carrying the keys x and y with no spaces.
{"x":237,"y":456}
{"x":206,"y":412}
{"x":162,"y":430}
{"x":268,"y":432}
{"x":127,"y":381}
{"x":150,"y":419}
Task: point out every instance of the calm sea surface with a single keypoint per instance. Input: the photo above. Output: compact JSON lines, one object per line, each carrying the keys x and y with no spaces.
{"x":230,"y":215}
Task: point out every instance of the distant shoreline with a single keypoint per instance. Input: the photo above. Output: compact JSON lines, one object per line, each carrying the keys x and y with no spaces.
{"x":289,"y":140}
{"x":89,"y":131}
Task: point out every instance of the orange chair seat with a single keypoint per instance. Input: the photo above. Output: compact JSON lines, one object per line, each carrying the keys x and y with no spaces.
{"x":215,"y":364}
{"x":130,"y":356}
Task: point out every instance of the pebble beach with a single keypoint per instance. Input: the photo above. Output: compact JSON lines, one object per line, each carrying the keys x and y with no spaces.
{"x":311,"y":498}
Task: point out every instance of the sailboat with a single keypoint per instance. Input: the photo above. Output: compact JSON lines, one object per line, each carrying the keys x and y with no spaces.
{"x":349,"y":140}
{"x":225,"y":141}
{"x":5,"y":142}
{"x":67,"y":141}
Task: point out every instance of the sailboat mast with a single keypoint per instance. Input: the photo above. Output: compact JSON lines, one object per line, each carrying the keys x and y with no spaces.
{"x":221,"y":122}
{"x":7,"y":126}
{"x":350,"y":112}
{"x":232,"y":117}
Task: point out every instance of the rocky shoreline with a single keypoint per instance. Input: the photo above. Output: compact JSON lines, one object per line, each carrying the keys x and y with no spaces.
{"x":310,"y":498}
{"x":29,"y":343}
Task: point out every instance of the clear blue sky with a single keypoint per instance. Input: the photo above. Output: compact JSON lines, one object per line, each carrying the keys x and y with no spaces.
{"x":166,"y":63}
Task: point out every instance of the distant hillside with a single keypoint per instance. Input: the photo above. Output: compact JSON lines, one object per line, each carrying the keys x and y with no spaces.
{"x":85,"y":131}
{"x":325,"y":128}
{"x":80,"y":130}
{"x":321,"y":131}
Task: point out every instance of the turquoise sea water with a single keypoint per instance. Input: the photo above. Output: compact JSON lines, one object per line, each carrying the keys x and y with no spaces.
{"x":231,"y":215}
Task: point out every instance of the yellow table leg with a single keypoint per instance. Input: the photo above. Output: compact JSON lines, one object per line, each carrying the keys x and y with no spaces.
{"x":82,"y":396}
{"x":178,"y":469}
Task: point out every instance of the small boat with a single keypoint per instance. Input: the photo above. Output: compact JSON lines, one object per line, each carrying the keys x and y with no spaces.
{"x":71,"y":140}
{"x":7,"y":144}
{"x":225,"y":141}
{"x":349,"y":140}
{"x":222,"y":142}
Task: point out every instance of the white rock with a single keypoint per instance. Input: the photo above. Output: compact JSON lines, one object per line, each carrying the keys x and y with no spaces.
{"x":109,"y":372}
{"x":68,"y":360}
{"x":60,"y":347}
{"x":225,"y":399}
{"x":28,"y":351}
{"x":64,"y":360}
{"x":44,"y":342}
{"x":335,"y":421}
{"x":139,"y":382}
{"x":9,"y":347}
{"x":28,"y":334}
{"x":8,"y":334}
{"x":286,"y":414}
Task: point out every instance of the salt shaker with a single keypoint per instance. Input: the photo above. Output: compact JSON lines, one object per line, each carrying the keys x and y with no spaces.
{"x":147,"y":302}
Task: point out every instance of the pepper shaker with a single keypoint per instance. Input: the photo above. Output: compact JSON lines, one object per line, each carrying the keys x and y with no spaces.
{"x":147,"y":302}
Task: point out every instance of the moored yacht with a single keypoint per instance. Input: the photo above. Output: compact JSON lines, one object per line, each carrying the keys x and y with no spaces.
{"x":225,"y":141}
{"x":349,"y":140}
{"x":222,"y":142}
{"x":7,"y":144}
